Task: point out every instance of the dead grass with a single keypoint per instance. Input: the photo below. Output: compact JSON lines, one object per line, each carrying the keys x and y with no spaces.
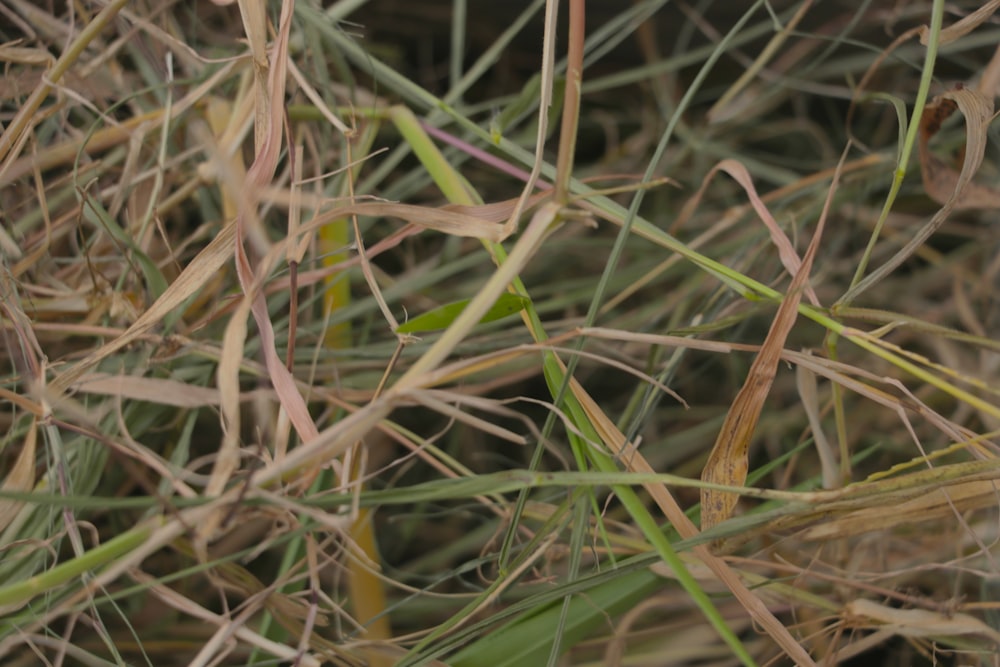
{"x":805,"y":345}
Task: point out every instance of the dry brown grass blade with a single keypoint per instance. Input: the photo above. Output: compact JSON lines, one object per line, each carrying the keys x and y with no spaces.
{"x":330,"y":442}
{"x":498,"y":211}
{"x":952,"y":489}
{"x":228,"y":125}
{"x":19,"y":129}
{"x":228,"y":380}
{"x":963,"y":26}
{"x":789,"y":259}
{"x":268,"y":134}
{"x":931,"y":506}
{"x":846,"y":376}
{"x":161,"y":391}
{"x":615,"y":441}
{"x":728,"y":462}
{"x":254,"y":18}
{"x":201,"y":269}
{"x":942,"y":183}
{"x":841,"y":374}
{"x":469,"y":221}
{"x":240,"y":631}
{"x":989,"y":82}
{"x":920,"y":622}
{"x":48,"y":157}
{"x":260,"y":174}
{"x":448,"y":404}
{"x":805,"y":381}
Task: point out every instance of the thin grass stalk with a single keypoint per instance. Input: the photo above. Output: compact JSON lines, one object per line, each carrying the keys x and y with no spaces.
{"x":912,"y":131}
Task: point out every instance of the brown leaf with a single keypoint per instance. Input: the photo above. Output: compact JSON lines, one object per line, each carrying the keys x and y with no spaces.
{"x":944,"y":184}
{"x":728,"y":462}
{"x":962,"y":27}
{"x":260,"y":174}
{"x":921,"y":622}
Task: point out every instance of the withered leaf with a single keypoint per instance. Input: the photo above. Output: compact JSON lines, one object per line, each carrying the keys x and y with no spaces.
{"x":944,"y":184}
{"x":728,"y":462}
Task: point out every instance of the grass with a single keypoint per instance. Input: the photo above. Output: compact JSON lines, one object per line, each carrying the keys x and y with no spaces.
{"x":581,"y":334}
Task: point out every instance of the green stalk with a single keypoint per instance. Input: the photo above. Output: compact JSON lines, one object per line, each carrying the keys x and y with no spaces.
{"x":926,"y":77}
{"x":13,"y":596}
